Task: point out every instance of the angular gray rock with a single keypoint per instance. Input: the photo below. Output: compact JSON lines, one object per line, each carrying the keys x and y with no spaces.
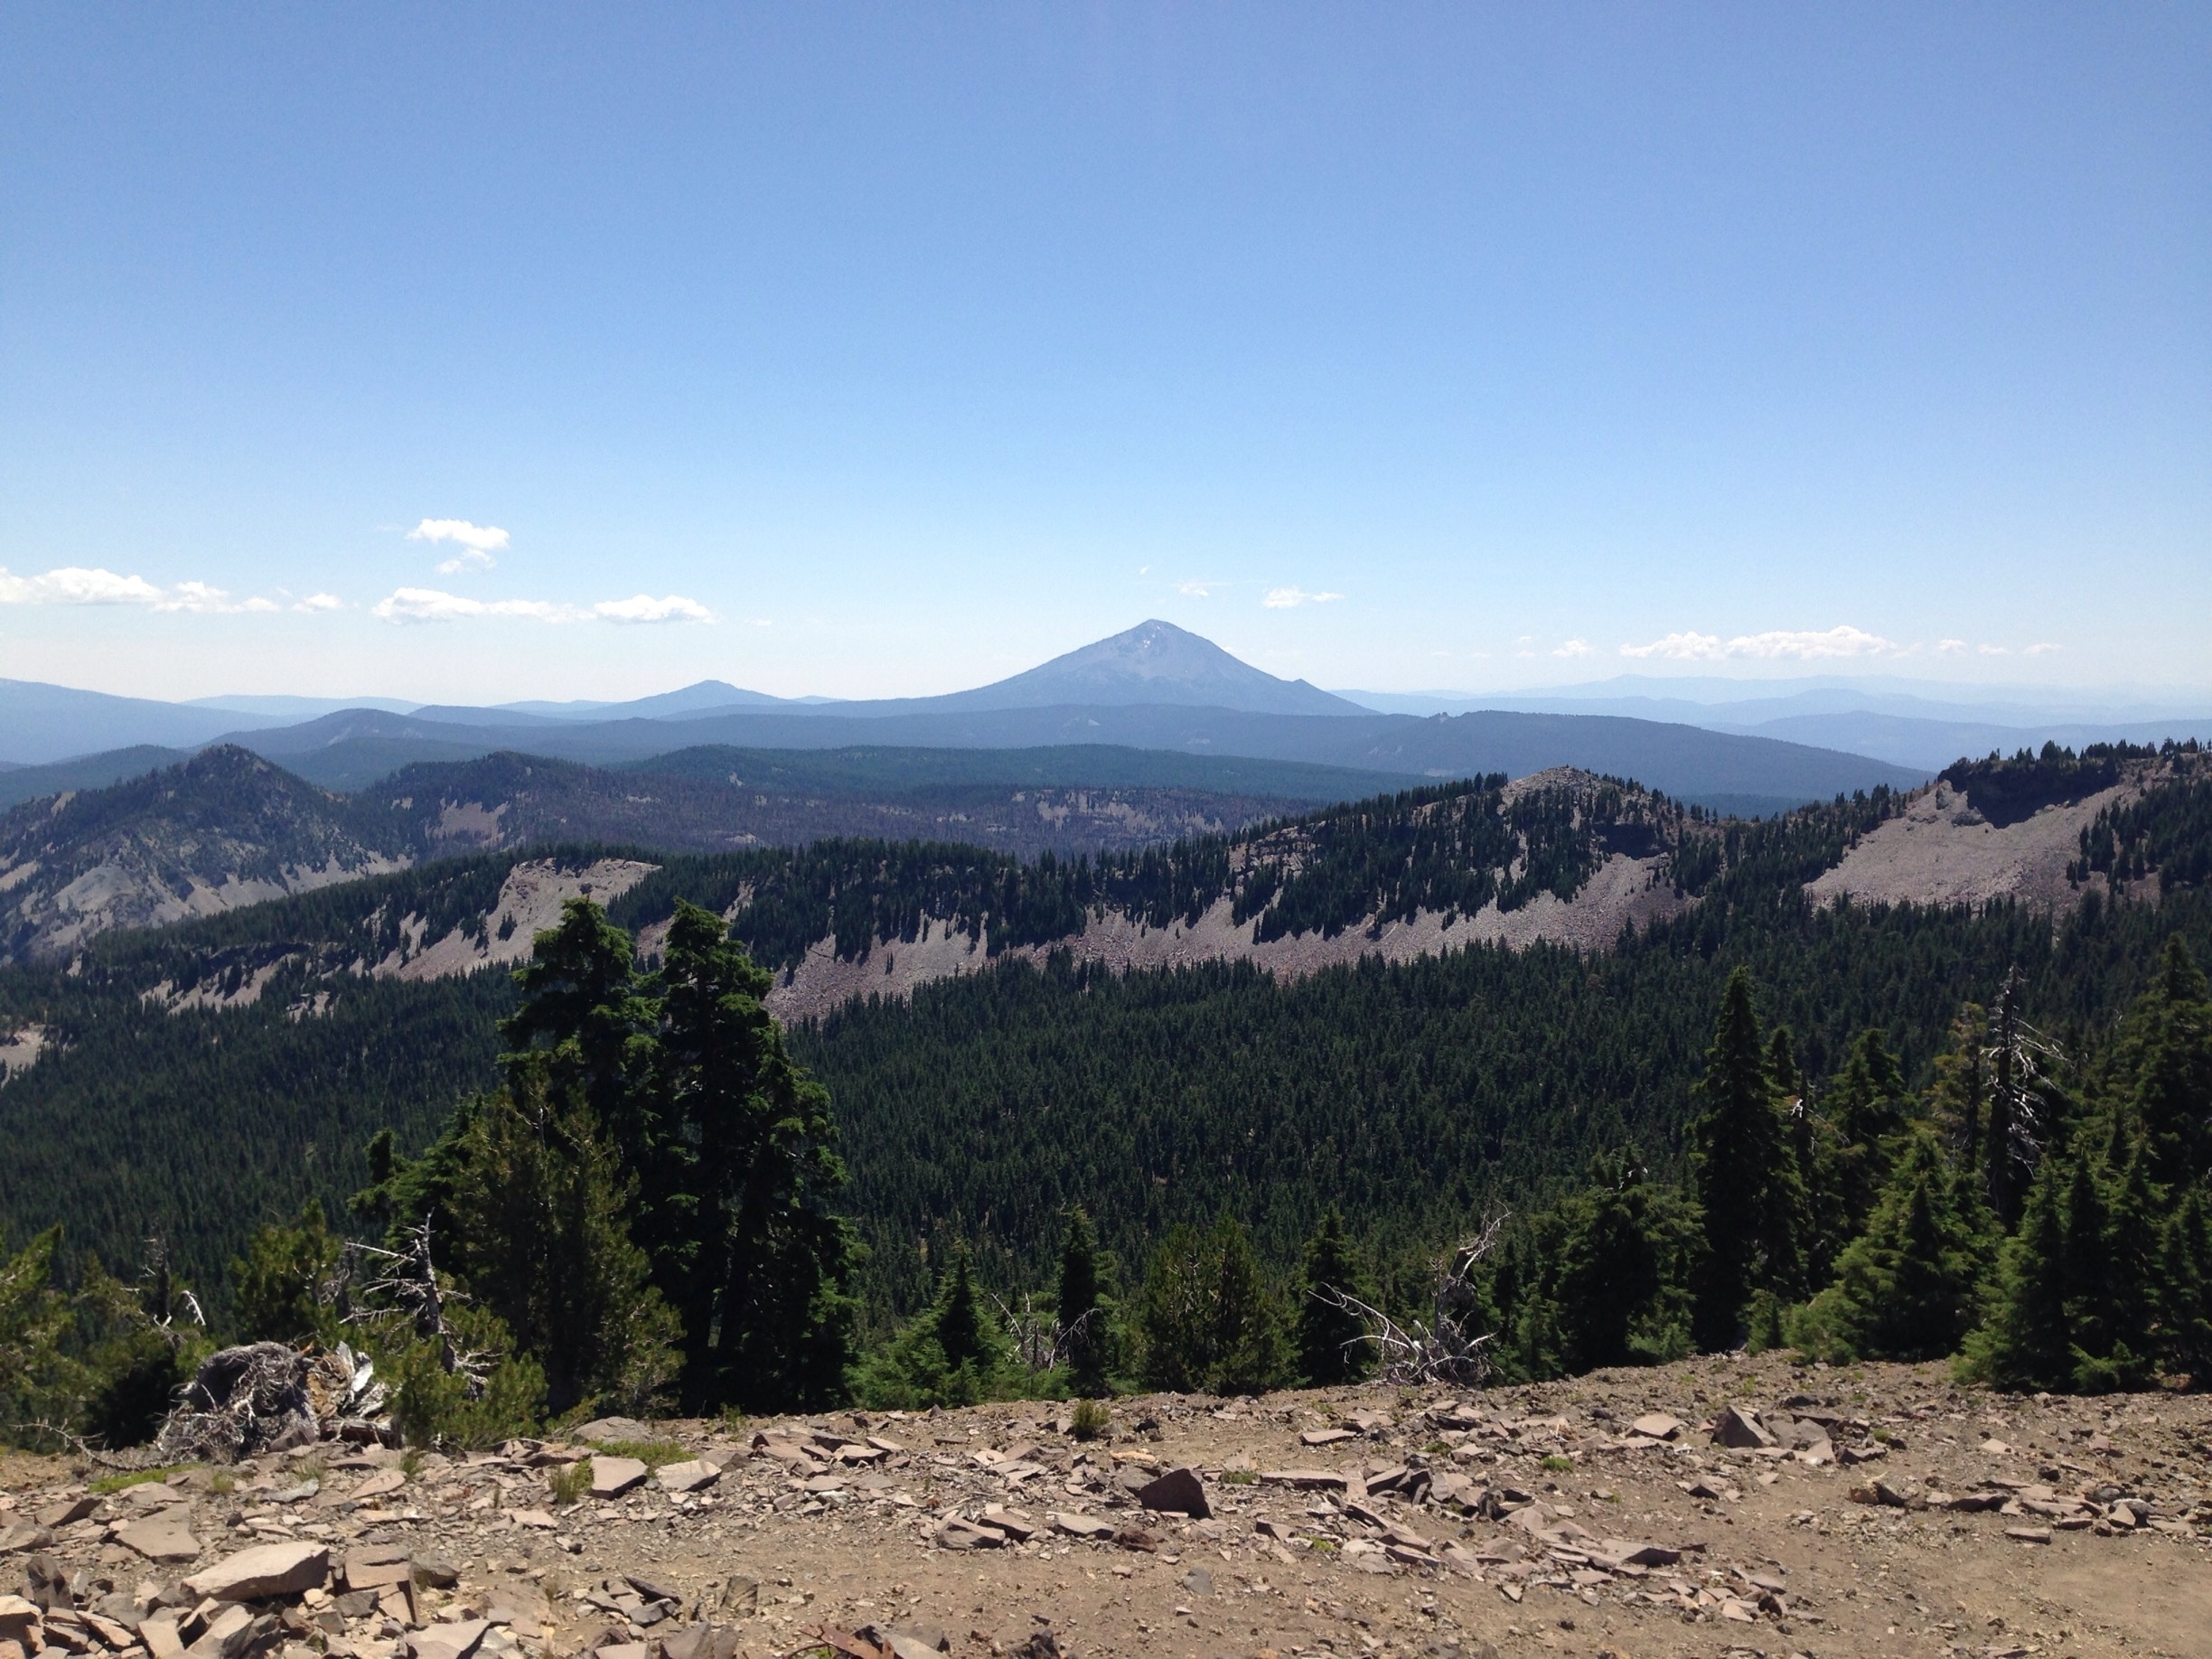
{"x":264,"y":1571}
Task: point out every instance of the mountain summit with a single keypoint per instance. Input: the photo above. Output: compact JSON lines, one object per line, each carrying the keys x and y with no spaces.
{"x":1153,"y":662}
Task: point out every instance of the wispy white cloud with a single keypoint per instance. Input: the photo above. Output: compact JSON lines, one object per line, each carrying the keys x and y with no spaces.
{"x":2042,"y":648}
{"x":319,"y":601}
{"x":1802,"y":645}
{"x":645,"y":608}
{"x":428,"y":605}
{"x":76,"y":585}
{"x":1195,"y":590}
{"x":431,"y":605}
{"x":1290,"y":598}
{"x":1571,"y":648}
{"x":1993,"y":651}
{"x":1950,"y":647}
{"x":477,"y":542}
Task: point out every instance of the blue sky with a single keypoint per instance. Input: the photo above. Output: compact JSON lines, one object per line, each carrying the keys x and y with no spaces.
{"x":869,"y":350}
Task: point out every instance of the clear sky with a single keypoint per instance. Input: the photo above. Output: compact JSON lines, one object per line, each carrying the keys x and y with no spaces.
{"x":483,"y":351}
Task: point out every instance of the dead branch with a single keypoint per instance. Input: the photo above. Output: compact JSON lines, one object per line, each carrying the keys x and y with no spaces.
{"x":1445,"y":1348}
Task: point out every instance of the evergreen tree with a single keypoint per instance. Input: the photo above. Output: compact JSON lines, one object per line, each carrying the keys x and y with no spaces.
{"x":1959,"y":1100}
{"x":744,"y":1147}
{"x":2185,"y":1279}
{"x":1612,"y":1268}
{"x":1331,"y":1345}
{"x":536,"y":1228}
{"x":731,"y":1143}
{"x":1745,"y":1178}
{"x":951,"y":1355}
{"x":276,"y":1291}
{"x":1909,"y":1287}
{"x":2168,"y":1048}
{"x":2028,"y":1343}
{"x":1080,"y":1309}
{"x":2111,"y":1237}
{"x":1208,"y":1323}
{"x":1867,"y":1106}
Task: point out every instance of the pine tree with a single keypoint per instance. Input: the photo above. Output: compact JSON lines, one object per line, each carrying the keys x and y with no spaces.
{"x":1611,"y":1266}
{"x":1250,"y":1354}
{"x":1959,"y":1099}
{"x":2028,"y":1343}
{"x":1331,"y":1349}
{"x":2185,"y":1279}
{"x":2112,"y":1242}
{"x":1208,"y":1321}
{"x":537,"y":1229}
{"x":743,"y":1141}
{"x":276,"y":1292}
{"x":2168,"y":1048}
{"x":1745,"y":1178}
{"x":1080,"y":1309}
{"x":1909,"y":1287}
{"x":1867,"y":1106}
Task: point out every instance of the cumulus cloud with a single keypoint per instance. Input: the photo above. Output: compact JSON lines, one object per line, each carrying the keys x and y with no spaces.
{"x":1803,"y":645}
{"x":645,"y":608}
{"x":75,"y":585}
{"x":1290,"y":598}
{"x":431,"y":605}
{"x":319,"y":601}
{"x":477,"y":542}
{"x":1571,"y":648}
{"x":1950,"y":647}
{"x":1194,"y":590}
{"x":2043,"y":648}
{"x":1994,"y":650}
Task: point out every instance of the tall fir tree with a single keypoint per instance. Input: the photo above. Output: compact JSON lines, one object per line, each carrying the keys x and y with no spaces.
{"x":1911,"y":1287}
{"x":1745,"y":1178}
{"x":2027,"y":1342}
{"x":1866,"y":1103}
{"x":1332,"y":1348}
{"x":2167,"y":1046}
{"x":1080,"y":1309}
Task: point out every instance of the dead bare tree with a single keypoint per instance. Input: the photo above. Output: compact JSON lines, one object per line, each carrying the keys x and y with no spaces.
{"x":2021,"y":1062}
{"x":1446,"y":1347}
{"x":408,"y":1281}
{"x":1041,"y":1342}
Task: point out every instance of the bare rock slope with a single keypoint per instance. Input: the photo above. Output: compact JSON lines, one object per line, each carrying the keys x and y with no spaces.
{"x":1627,"y":1513}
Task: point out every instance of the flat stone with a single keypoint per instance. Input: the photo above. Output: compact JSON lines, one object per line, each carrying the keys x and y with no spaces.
{"x":686,"y":1477}
{"x":264,"y":1571}
{"x":1079,"y":1526}
{"x":2028,"y":1534}
{"x":380,"y":1484}
{"x":1658,"y":1425}
{"x":1303,"y":1479}
{"x":624,"y":1650}
{"x":538,"y":1518}
{"x":68,"y":1512}
{"x":612,"y":1476}
{"x":18,"y":1619}
{"x":1178,"y":1492}
{"x":956,"y":1535}
{"x":25,"y":1535}
{"x":152,"y":1494}
{"x":161,"y":1638}
{"x":159,"y":1540}
{"x":453,"y":1641}
{"x":1328,"y":1437}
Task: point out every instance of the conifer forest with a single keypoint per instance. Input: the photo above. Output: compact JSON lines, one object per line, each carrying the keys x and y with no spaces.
{"x":1980,"y":1134}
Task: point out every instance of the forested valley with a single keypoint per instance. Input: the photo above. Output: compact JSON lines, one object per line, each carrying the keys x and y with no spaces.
{"x":1854,"y":1131}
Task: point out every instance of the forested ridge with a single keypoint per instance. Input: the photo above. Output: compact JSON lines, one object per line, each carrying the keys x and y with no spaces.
{"x":1408,"y":1100}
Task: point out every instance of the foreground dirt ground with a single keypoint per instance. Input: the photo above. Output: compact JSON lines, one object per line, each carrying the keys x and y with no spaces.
{"x":1895,"y":1515}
